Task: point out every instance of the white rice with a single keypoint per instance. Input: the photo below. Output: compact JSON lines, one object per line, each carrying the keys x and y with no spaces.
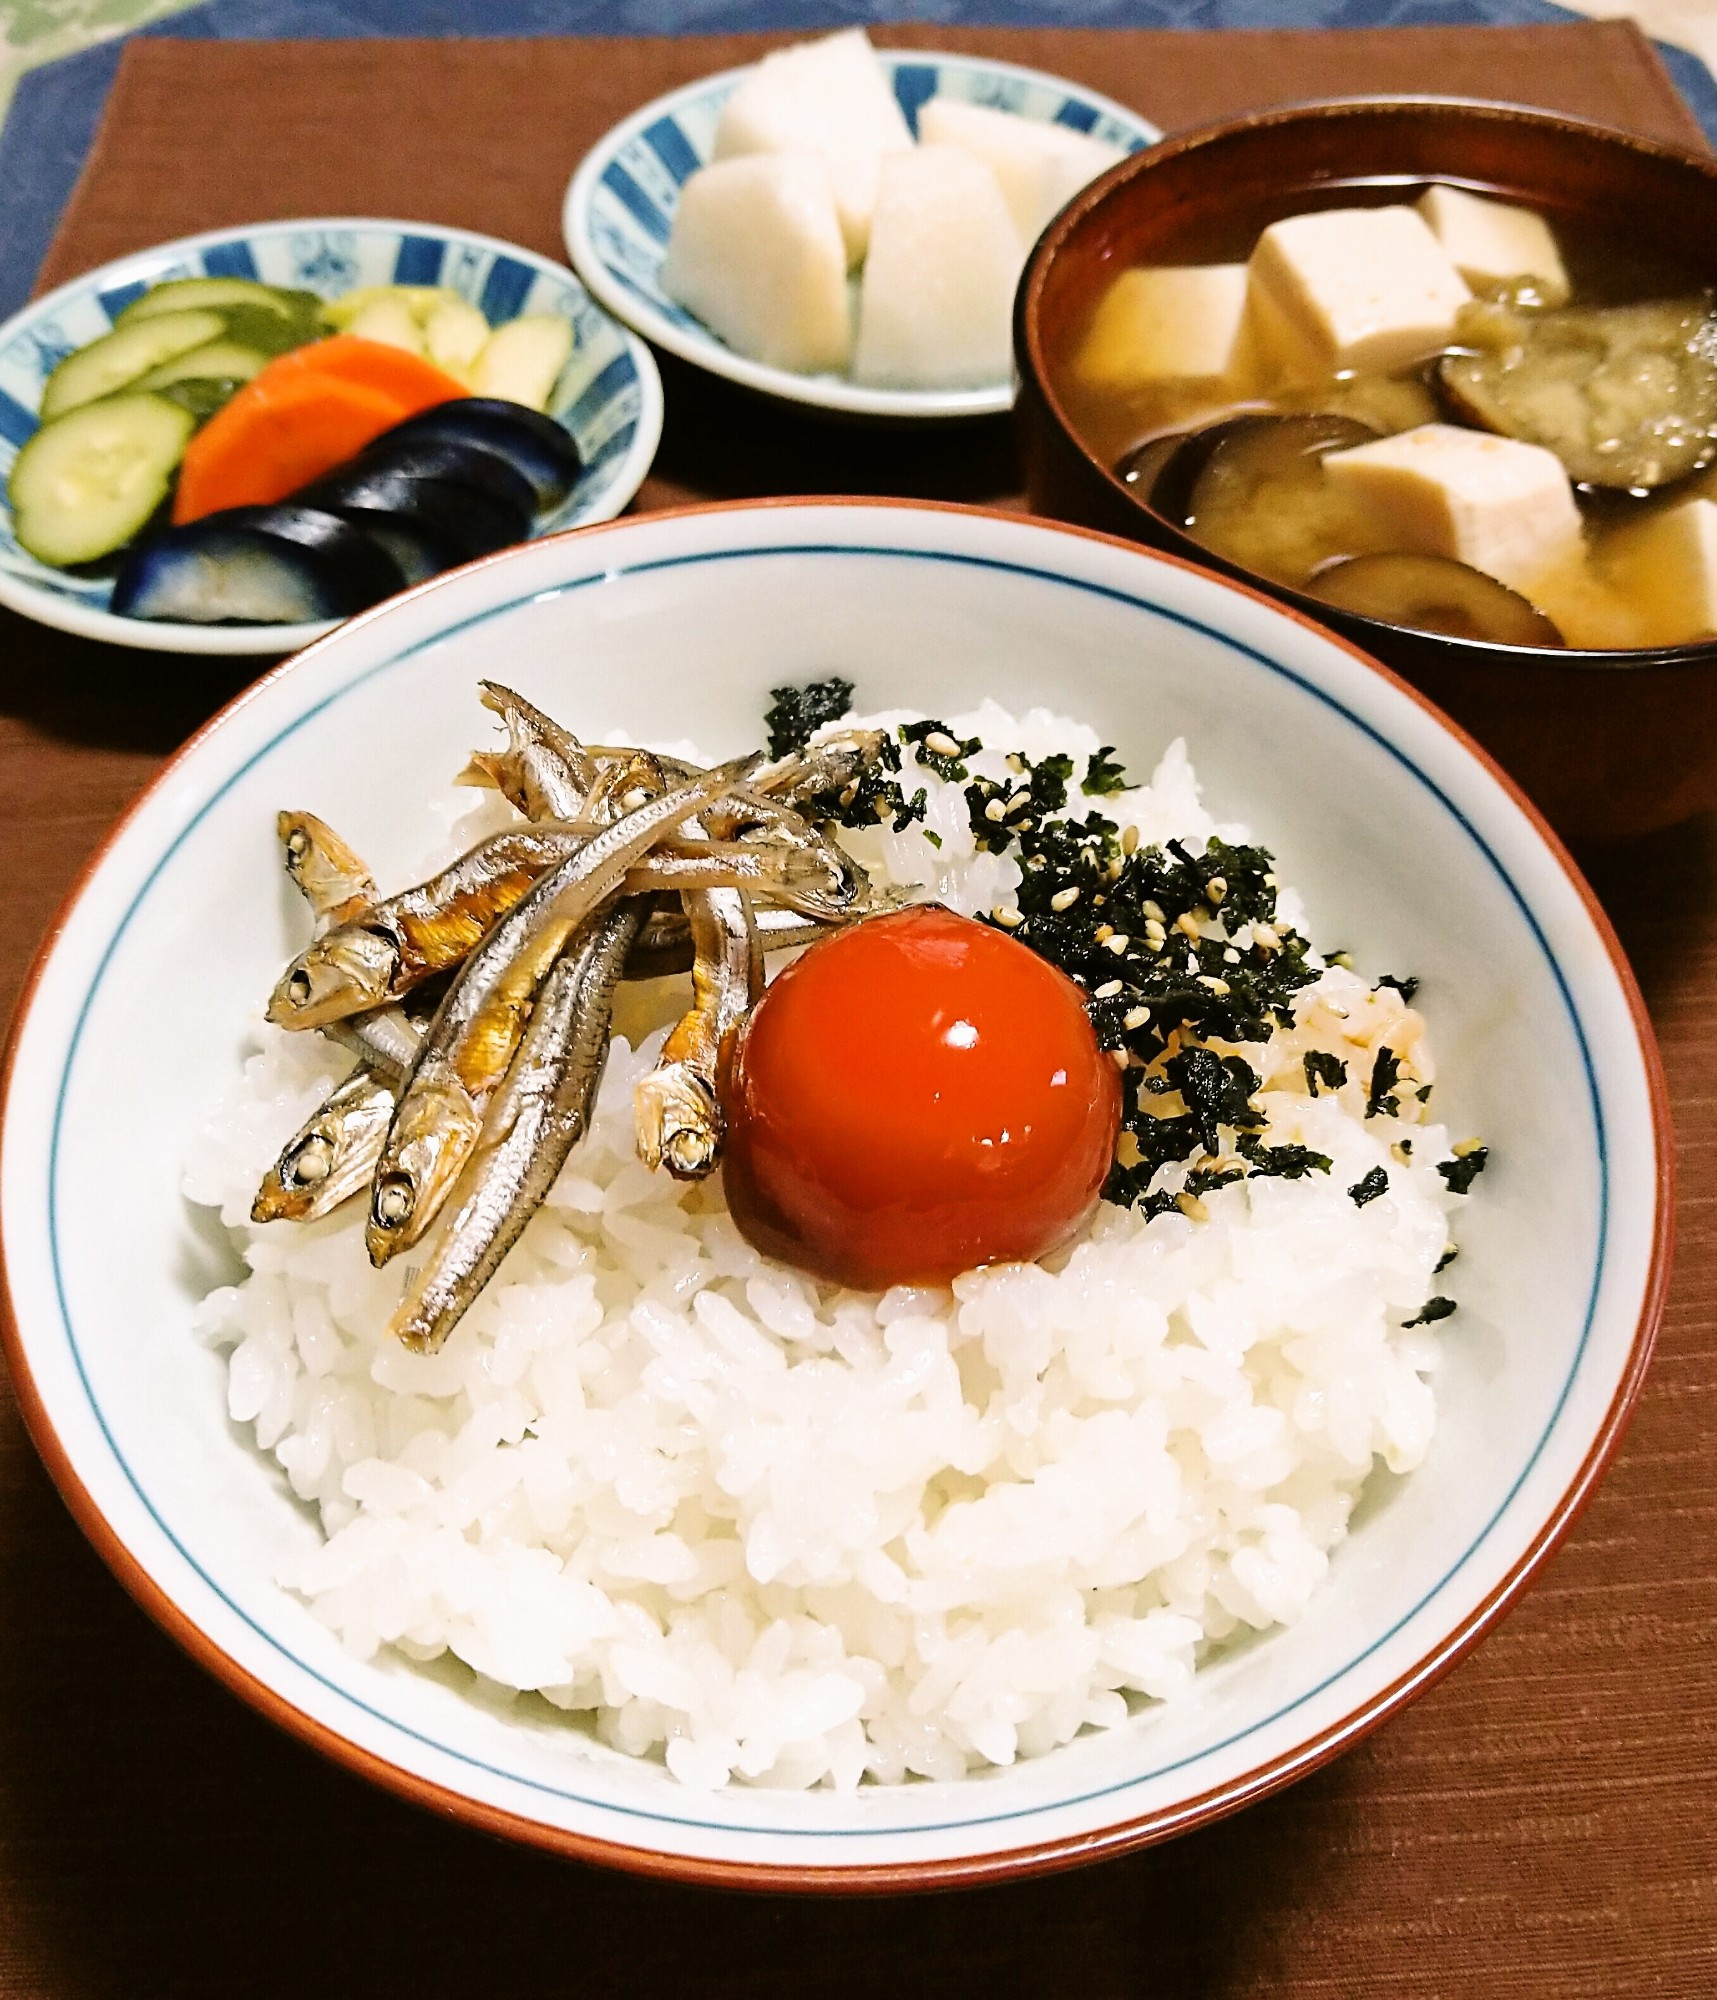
{"x":786,"y":1534}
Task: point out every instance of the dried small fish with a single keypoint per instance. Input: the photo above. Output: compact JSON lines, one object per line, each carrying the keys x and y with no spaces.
{"x":676,"y":1108}
{"x":800,"y":879}
{"x":533,"y":1121}
{"x":544,"y":770}
{"x":476,"y":1030}
{"x":334,"y":882}
{"x":332,"y":1155}
{"x":387,"y":1038}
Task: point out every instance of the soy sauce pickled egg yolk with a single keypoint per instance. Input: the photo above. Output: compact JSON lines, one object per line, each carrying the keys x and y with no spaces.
{"x":915,"y":1096}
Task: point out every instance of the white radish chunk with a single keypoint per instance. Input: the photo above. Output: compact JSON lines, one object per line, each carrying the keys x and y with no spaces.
{"x":521,"y":361}
{"x":390,"y":321}
{"x":757,"y":253}
{"x":1039,"y":167}
{"x":454,"y":334}
{"x":936,"y":305}
{"x":828,"y":97}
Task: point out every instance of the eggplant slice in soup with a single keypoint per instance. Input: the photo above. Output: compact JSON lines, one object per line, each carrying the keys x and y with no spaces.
{"x":1252,"y":489}
{"x":1433,"y":594}
{"x":1626,"y":396}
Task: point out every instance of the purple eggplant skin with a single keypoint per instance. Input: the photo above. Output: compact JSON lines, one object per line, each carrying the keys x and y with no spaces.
{"x":242,"y":567}
{"x":464,"y":523}
{"x":459,"y":464}
{"x":535,"y":445}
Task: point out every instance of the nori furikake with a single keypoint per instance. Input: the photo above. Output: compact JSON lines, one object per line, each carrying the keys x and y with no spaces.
{"x":795,"y":714}
{"x":1150,"y":934}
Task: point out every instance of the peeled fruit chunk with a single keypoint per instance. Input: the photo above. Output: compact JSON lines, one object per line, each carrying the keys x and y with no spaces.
{"x":454,"y":334}
{"x":830,"y":98}
{"x":390,"y":321}
{"x":757,"y":253}
{"x":1433,"y":594}
{"x":1039,"y":167}
{"x":1623,"y":395}
{"x":1174,"y":322}
{"x":937,"y":297}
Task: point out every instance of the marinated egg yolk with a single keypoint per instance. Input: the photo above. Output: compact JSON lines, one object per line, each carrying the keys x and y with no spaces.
{"x":914,"y":1096}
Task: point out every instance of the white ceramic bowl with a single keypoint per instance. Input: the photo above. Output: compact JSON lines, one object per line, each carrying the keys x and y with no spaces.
{"x":1408,"y":846}
{"x":609,"y":396}
{"x":620,"y":207}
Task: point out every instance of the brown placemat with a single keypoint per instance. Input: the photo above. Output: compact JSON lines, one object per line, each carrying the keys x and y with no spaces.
{"x":1540,"y":1825}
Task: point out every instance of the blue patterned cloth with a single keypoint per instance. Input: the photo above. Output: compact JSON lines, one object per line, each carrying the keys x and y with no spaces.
{"x":56,"y":110}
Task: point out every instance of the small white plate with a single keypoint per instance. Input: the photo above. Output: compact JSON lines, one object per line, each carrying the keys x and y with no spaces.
{"x":609,"y":396}
{"x":620,"y":207}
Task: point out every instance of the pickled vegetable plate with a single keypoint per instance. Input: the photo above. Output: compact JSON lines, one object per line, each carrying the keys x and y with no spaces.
{"x":608,"y":397}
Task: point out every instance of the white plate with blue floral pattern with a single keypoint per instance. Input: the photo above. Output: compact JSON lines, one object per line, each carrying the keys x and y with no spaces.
{"x":609,"y":396}
{"x":620,"y":208}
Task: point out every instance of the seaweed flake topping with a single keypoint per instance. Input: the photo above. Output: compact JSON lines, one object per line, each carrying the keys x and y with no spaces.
{"x":795,"y":714}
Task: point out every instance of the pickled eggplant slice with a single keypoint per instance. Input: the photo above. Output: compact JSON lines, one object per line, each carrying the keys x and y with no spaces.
{"x":470,"y":465}
{"x":1433,"y":594}
{"x":252,"y":566}
{"x":84,"y":484}
{"x":416,"y":555}
{"x":1252,"y":489}
{"x":1625,"y":396}
{"x":118,"y":359}
{"x":1138,"y":470}
{"x":463,"y":521}
{"x":537,"y":446}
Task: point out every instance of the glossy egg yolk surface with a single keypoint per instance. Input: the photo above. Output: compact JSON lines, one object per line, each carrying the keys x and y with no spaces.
{"x":915,"y":1096}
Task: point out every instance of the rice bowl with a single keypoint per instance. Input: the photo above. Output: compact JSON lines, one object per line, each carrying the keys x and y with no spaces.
{"x":1417,"y":860}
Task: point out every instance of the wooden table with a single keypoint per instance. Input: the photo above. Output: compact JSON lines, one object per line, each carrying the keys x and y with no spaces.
{"x":1539,"y":1825}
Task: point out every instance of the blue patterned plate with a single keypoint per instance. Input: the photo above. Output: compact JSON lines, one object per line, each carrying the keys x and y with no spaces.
{"x":620,"y":207}
{"x":609,"y":395}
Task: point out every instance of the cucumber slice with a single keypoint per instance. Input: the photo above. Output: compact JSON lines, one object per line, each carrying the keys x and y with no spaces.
{"x":119,"y":358}
{"x":201,"y":395}
{"x":85,"y":484}
{"x":214,"y":361}
{"x":223,"y":294}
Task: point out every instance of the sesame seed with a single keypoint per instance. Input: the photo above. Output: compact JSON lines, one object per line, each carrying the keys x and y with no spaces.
{"x":1231,"y":956}
{"x":1118,"y":943}
{"x":1191,"y":1207}
{"x":1216,"y":985}
{"x":1135,"y":1017}
{"x":1465,"y":1147}
{"x":1008,"y":919}
{"x":1063,"y":899}
{"x":884,"y":810}
{"x":994,"y":810}
{"x":1152,"y":910}
{"x":1118,"y":1057}
{"x":1107,"y":990}
{"x":1018,"y":803}
{"x":1025,"y":826}
{"x":1265,"y":938}
{"x":1154,"y":930}
{"x":1187,"y":925}
{"x":1115,"y":868}
{"x":1015,"y":761}
{"x":1129,"y":840}
{"x":1216,"y":888}
{"x":849,"y":793}
{"x":1103,"y":933}
{"x":941,"y":743}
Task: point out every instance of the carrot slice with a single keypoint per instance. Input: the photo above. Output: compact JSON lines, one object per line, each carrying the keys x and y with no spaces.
{"x":299,"y":418}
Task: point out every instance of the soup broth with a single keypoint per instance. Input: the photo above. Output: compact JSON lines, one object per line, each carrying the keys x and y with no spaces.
{"x":1523,"y":397}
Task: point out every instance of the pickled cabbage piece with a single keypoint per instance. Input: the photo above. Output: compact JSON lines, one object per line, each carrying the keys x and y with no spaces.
{"x":1434,"y":594}
{"x":1625,"y":396}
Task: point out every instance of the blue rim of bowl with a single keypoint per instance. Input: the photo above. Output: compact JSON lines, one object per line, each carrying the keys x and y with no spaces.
{"x":992,"y":1864}
{"x":602,"y":179}
{"x":621,"y":406}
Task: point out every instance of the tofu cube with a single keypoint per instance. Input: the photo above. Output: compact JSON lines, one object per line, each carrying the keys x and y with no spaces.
{"x":1039,"y":166}
{"x":757,"y":253}
{"x":1496,"y":243}
{"x":936,"y":305}
{"x":1179,"y":322}
{"x":828,"y":97}
{"x":1491,"y":502}
{"x":1352,"y":288}
{"x":1666,"y":565}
